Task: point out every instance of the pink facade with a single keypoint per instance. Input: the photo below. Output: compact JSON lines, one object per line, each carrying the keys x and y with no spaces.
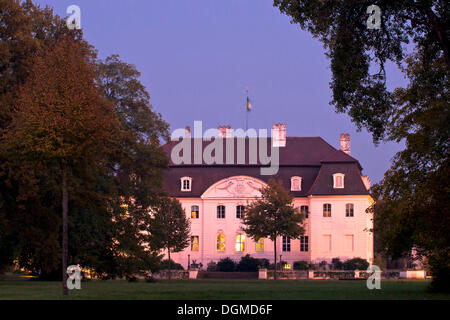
{"x":328,"y":184}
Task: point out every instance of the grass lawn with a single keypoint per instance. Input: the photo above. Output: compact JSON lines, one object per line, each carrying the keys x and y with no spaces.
{"x":220,"y":289}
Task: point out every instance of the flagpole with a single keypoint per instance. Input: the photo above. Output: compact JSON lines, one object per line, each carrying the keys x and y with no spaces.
{"x":246,"y":111}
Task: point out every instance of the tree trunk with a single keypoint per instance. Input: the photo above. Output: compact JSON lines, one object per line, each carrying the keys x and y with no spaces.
{"x":168,"y":250}
{"x":65,"y":204}
{"x":275,"y":253}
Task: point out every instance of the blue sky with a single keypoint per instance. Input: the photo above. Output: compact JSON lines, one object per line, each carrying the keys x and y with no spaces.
{"x":197,"y":57}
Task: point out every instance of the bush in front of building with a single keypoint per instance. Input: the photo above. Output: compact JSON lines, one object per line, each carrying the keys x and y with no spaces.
{"x":173,"y":265}
{"x":226,"y":265}
{"x":248,"y":264}
{"x":301,"y":265}
{"x":280,"y":265}
{"x":337,"y":264}
{"x":211,"y":266}
{"x":356,"y":264}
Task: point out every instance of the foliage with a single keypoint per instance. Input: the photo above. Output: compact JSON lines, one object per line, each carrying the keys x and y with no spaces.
{"x":337,"y":264}
{"x":273,"y":215}
{"x":212,"y":266}
{"x":413,"y":198}
{"x":280,"y":265}
{"x":356,"y":264}
{"x":165,"y":265}
{"x":226,"y":265}
{"x":248,"y":264}
{"x":301,"y":265}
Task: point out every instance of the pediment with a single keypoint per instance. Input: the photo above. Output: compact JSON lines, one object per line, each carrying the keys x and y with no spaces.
{"x":235,"y":187}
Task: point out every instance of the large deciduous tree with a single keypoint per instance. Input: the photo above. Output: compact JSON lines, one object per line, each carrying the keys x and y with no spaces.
{"x":273,"y":216}
{"x":169,"y":228}
{"x":62,"y":121}
{"x":411,"y":204}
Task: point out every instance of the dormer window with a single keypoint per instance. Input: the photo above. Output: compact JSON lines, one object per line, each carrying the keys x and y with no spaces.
{"x":186,"y":184}
{"x":296,"y":184}
{"x":338,"y":180}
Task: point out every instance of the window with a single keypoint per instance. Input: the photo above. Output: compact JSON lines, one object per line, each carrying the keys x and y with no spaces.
{"x":305,"y":211}
{"x":240,"y":243}
{"x":195,"y":212}
{"x":338,"y":181}
{"x":304,"y":243}
{"x":221,"y":242}
{"x":194,"y":243}
{"x":260,"y":245}
{"x":327,"y":210}
{"x":239,"y":211}
{"x":286,"y":244}
{"x":220,"y":212}
{"x":349,"y":243}
{"x":186,"y":184}
{"x":349,"y":210}
{"x":296,"y":184}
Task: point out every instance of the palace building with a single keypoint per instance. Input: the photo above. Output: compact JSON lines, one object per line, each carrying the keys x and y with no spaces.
{"x":327,"y":185}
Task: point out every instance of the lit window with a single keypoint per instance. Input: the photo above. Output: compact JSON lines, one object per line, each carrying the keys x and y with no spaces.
{"x":240,"y":243}
{"x":349,"y":210}
{"x":327,"y":210}
{"x":296,"y":184}
{"x":186,"y":184}
{"x":304,"y":243}
{"x":338,"y":181}
{"x":286,"y":244}
{"x":305,"y":211}
{"x":239,"y":211}
{"x":221,"y":242}
{"x":287,"y":266}
{"x":220,"y":212}
{"x":194,"y":243}
{"x":195,"y":212}
{"x":260,"y":245}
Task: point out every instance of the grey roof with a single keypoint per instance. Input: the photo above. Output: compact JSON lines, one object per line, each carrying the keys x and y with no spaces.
{"x":311,"y":158}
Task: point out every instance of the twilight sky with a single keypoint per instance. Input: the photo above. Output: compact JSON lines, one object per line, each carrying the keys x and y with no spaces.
{"x":198,"y":56}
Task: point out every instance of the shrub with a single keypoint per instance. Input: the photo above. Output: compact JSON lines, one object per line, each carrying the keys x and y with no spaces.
{"x":323,"y":265}
{"x":132,"y":279}
{"x":195,"y":265}
{"x":301,"y":265}
{"x":150,"y":280}
{"x":356,"y":264}
{"x":264,"y":263}
{"x":173,"y":265}
{"x":226,"y":265}
{"x":248,"y":264}
{"x":212,"y":266}
{"x":337,"y":264}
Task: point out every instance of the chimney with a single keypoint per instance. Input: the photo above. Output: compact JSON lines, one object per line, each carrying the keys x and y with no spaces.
{"x":345,"y":143}
{"x":279,"y":135}
{"x":188,"y":132}
{"x":224,"y":132}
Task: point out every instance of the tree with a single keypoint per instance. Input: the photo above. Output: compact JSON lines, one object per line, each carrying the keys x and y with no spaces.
{"x":25,"y":30}
{"x":169,"y":227}
{"x":62,"y":121}
{"x":273,"y":215}
{"x":411,"y":200}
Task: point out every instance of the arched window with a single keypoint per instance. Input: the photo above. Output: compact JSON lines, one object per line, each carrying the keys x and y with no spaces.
{"x":349,"y":210}
{"x":296,"y":184}
{"x":305,"y":211}
{"x":186,"y":184}
{"x":338,"y":180}
{"x":195,"y":212}
{"x":327,"y":210}
{"x":240,"y":243}
{"x":220,"y":242}
{"x":194,"y":243}
{"x":260,"y":245}
{"x":220,"y":212}
{"x":239,"y":211}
